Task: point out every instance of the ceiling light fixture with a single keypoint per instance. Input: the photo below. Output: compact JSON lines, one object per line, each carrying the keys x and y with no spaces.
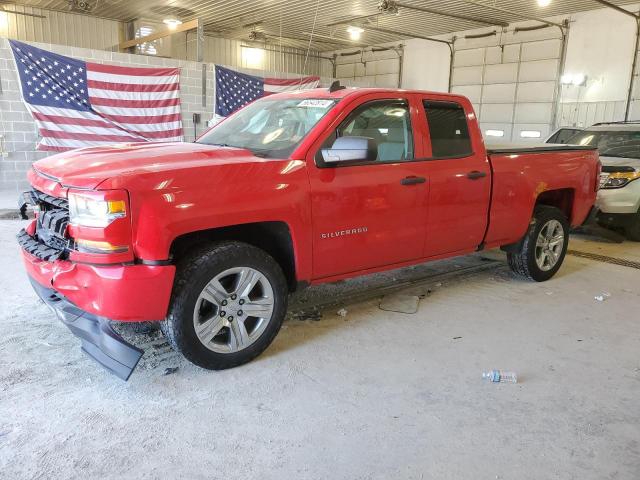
{"x":172,"y":23}
{"x":354,"y":32}
{"x":544,"y":3}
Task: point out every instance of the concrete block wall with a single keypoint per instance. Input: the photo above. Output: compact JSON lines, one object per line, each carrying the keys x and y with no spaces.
{"x":18,"y":129}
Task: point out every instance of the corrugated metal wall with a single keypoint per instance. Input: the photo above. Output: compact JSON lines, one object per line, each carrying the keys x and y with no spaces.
{"x":61,"y":28}
{"x":102,"y":34}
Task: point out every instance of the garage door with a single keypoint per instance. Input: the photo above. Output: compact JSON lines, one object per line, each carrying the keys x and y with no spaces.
{"x":513,"y":86}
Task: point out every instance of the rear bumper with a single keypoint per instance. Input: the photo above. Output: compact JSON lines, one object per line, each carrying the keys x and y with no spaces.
{"x":99,"y":340}
{"x":127,"y":293}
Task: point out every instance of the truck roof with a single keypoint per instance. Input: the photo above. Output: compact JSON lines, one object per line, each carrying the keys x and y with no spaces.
{"x":352,"y":91}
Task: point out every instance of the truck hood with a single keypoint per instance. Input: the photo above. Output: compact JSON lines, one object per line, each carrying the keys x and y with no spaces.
{"x":620,"y":162}
{"x":89,"y":167}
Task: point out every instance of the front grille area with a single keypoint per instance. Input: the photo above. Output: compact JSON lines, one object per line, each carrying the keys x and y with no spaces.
{"x":51,"y":241}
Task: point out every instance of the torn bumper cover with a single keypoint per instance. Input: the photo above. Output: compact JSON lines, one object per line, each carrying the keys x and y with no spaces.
{"x":99,"y":340}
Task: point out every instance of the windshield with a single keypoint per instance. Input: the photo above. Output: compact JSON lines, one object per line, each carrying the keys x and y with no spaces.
{"x":270,"y":128}
{"x":625,"y":144}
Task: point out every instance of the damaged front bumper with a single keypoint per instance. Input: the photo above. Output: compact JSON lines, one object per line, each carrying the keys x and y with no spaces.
{"x":99,"y":340}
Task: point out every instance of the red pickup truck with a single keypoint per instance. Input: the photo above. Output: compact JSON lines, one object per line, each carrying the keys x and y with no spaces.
{"x":294,"y":189}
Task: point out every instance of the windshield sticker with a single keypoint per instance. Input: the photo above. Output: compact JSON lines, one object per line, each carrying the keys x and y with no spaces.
{"x":315,"y":103}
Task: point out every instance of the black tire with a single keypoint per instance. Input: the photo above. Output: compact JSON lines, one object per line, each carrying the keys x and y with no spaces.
{"x":523,"y":262}
{"x":632,"y":230}
{"x":192,"y":275}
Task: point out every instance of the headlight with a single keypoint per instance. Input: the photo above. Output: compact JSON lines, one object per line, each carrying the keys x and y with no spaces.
{"x":89,"y":211}
{"x":620,"y":179}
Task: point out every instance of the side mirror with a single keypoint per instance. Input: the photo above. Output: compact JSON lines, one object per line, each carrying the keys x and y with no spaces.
{"x":351,"y":149}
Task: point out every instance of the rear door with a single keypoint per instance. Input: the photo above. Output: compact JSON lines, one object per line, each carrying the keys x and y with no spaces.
{"x":459,"y":174}
{"x":373,"y":213}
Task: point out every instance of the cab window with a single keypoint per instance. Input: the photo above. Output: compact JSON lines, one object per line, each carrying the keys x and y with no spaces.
{"x":387,"y":122}
{"x":448,"y":130}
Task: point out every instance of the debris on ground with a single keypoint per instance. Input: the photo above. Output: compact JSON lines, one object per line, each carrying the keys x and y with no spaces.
{"x":170,"y":370}
{"x":602,"y":297}
{"x":457,"y":338}
{"x":312,"y":314}
{"x":500,"y":376}
{"x":400,"y":303}
{"x":425,"y":294}
{"x":342,"y":312}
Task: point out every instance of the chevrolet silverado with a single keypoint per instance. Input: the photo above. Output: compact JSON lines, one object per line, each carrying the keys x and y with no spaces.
{"x":209,"y":238}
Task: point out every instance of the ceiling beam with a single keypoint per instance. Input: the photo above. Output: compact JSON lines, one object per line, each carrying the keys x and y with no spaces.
{"x":335,"y":40}
{"x":511,"y":12}
{"x":452,"y":15}
{"x":404,"y":34}
{"x":618,"y":8}
{"x":193,"y":24}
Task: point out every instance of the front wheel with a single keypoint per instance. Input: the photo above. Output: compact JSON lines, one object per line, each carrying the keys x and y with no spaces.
{"x":544,"y":247}
{"x":228,"y":304}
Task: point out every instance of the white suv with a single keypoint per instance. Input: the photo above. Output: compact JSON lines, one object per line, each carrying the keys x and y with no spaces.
{"x":619,"y":196}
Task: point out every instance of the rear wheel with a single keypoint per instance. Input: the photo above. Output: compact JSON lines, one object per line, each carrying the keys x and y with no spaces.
{"x":544,"y":246}
{"x":228,"y":304}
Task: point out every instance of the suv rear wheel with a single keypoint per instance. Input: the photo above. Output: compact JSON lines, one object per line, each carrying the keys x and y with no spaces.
{"x":544,"y":247}
{"x":228,"y":304}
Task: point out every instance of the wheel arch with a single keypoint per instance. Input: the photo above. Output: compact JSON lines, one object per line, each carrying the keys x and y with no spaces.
{"x":562,"y":199}
{"x":274,"y":237}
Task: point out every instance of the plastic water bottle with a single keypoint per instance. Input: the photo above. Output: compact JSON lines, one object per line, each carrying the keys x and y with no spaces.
{"x":501,"y":376}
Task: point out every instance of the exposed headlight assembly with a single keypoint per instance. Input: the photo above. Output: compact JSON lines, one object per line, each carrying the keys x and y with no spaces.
{"x":92,"y":211}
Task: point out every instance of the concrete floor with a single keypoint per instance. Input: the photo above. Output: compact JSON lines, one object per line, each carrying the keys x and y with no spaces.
{"x":372,"y":395}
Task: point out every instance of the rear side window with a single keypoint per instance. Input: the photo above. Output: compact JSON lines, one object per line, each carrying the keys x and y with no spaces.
{"x":448,"y":129}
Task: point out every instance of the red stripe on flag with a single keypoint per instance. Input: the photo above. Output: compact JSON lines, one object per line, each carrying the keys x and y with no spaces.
{"x":133,"y":87}
{"x":146,"y":72}
{"x":110,"y":138}
{"x":112,"y":102}
{"x":49,"y":148}
{"x":283,"y":82}
{"x":92,"y":137}
{"x":84,"y":122}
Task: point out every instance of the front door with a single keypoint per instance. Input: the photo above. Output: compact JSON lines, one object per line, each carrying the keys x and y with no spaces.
{"x":372,"y":213}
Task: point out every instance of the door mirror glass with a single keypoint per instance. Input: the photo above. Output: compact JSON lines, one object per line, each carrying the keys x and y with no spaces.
{"x":351,"y":149}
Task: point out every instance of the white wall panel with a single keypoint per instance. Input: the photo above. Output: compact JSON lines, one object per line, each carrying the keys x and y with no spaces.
{"x":499,"y":93}
{"x":493,"y":55}
{"x":382,"y":67}
{"x":541,"y":50}
{"x":471,"y":57}
{"x":467,"y":75}
{"x":496,"y":112}
{"x":472,"y":92}
{"x":536,"y":91}
{"x":539,"y":71}
{"x":511,"y":53}
{"x":501,"y":73}
{"x":533,"y":113}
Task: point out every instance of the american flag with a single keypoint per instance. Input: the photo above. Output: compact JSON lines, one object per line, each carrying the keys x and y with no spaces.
{"x":81,"y":104}
{"x":234,"y":89}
